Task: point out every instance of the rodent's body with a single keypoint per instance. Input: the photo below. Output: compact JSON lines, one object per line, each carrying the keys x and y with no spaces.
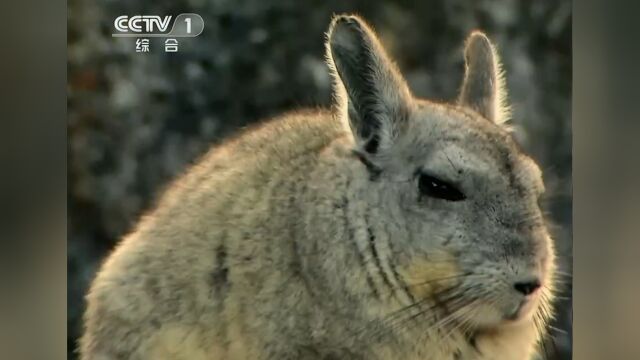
{"x":281,"y":244}
{"x":222,"y":245}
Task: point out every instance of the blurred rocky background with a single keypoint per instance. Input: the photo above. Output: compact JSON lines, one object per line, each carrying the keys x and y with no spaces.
{"x":136,"y":120}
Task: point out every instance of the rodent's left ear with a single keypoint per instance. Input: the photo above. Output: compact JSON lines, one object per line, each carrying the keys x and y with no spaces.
{"x":369,"y":90}
{"x":483,"y":89}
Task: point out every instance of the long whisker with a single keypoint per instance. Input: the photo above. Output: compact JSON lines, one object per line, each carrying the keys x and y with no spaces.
{"x":390,"y":317}
{"x":463,"y":318}
{"x":453,"y":297}
{"x":397,"y":319}
{"x":430,"y":281}
{"x":449,"y":304}
{"x":540,"y":328}
{"x":459,"y":314}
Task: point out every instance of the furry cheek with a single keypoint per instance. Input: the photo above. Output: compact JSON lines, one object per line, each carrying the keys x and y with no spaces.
{"x":426,"y":277}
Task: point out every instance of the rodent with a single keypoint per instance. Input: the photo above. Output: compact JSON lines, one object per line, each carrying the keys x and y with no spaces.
{"x":386,"y":227}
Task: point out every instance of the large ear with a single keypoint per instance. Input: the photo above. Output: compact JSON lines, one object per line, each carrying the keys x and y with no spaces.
{"x":483,"y":88}
{"x":368,"y":88}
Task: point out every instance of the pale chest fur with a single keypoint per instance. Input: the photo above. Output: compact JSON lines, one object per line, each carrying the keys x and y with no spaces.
{"x":516,"y":343}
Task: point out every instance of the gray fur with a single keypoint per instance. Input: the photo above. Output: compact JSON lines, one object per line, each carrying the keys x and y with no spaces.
{"x":293,"y":241}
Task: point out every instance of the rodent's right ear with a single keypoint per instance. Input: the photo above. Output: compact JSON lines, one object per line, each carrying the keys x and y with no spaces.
{"x":483,"y":89}
{"x":368,"y":88}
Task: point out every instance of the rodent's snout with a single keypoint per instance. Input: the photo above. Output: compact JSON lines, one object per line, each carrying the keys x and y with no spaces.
{"x":527,"y":287}
{"x":525,"y":290}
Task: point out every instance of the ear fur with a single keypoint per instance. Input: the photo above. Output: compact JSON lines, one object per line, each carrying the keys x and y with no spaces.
{"x":369,"y":91}
{"x":483,"y":88}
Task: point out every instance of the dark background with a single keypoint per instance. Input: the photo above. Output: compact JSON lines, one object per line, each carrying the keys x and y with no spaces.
{"x":136,"y":120}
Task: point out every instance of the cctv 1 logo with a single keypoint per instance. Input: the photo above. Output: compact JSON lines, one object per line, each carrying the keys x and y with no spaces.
{"x":184,"y":25}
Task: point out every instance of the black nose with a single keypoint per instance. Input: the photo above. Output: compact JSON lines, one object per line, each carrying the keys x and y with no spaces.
{"x":527,"y":287}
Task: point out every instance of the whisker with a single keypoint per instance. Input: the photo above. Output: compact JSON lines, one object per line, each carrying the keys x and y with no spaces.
{"x":462,"y":313}
{"x":454,"y":298}
{"x":540,"y":328}
{"x":395,"y":318}
{"x":564,"y":332}
{"x":451,"y":315}
{"x":430,"y":281}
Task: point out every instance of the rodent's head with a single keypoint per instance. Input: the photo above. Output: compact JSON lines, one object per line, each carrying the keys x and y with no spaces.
{"x":454,"y":194}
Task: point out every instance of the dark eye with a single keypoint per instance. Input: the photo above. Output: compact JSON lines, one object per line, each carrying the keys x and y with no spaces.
{"x":436,"y":188}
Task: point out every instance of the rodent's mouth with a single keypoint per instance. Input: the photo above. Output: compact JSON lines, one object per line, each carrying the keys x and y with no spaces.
{"x":490,"y":315}
{"x":523,"y":311}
